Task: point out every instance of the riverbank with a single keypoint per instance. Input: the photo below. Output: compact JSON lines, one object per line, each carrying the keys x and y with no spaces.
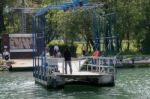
{"x":136,"y":62}
{"x":135,"y":65}
{"x":27,"y":64}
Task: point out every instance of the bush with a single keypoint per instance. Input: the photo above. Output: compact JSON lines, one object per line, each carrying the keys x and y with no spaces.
{"x":1,"y":62}
{"x":62,"y":48}
{"x":146,"y":45}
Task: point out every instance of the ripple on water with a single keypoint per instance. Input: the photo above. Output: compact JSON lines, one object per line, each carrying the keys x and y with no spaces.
{"x":130,"y":84}
{"x":135,"y":82}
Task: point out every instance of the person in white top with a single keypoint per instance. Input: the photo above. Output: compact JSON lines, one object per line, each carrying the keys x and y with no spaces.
{"x":56,"y":50}
{"x":58,"y":54}
{"x":6,"y":54}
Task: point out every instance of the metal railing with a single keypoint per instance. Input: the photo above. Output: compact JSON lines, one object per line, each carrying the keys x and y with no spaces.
{"x":99,"y":65}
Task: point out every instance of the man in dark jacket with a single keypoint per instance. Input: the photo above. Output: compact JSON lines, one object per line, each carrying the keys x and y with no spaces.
{"x":67,"y":56}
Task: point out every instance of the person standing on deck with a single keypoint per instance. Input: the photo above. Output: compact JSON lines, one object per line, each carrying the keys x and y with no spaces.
{"x":56,"y":49}
{"x":67,"y":56}
{"x":83,"y":50}
{"x":58,"y":54}
{"x":95,"y":55}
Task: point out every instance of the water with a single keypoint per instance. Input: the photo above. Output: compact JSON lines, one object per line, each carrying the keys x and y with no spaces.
{"x":130,"y":84}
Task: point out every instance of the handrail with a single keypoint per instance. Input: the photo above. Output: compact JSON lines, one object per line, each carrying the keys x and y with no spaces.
{"x":105,"y":64}
{"x":100,"y":62}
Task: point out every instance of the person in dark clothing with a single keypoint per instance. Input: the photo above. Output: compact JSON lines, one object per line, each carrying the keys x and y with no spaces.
{"x":67,"y":56}
{"x":83,"y":50}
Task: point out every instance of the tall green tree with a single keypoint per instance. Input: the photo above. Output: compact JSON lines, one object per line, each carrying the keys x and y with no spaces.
{"x":146,"y":26}
{"x":2,"y":26}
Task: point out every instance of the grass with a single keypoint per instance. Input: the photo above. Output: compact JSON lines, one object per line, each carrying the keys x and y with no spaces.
{"x":132,"y":47}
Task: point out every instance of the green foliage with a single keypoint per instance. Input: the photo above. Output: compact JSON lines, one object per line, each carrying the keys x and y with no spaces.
{"x":133,"y":21}
{"x":2,"y":27}
{"x":146,"y":27}
{"x":62,"y":48}
{"x":146,"y":44}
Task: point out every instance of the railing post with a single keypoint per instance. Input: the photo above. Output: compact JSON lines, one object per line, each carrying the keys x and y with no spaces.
{"x":99,"y":64}
{"x":79,"y":64}
{"x":87,"y":65}
{"x":63,"y":66}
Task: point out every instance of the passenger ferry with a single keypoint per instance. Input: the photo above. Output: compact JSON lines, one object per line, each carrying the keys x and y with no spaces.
{"x":49,"y":71}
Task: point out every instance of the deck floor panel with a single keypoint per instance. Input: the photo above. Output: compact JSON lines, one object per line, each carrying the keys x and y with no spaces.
{"x":83,"y":74}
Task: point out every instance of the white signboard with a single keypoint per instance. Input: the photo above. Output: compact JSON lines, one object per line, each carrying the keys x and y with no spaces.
{"x":20,"y":42}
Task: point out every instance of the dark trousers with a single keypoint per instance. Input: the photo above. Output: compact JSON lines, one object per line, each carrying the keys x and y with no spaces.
{"x":69,"y":63}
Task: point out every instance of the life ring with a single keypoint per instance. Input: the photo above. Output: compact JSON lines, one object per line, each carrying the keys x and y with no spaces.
{"x":6,"y":57}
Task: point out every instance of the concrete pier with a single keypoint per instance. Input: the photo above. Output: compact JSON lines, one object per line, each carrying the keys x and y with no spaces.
{"x":22,"y":65}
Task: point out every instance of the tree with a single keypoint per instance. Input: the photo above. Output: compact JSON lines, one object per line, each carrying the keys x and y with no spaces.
{"x":2,"y":26}
{"x":146,"y":26}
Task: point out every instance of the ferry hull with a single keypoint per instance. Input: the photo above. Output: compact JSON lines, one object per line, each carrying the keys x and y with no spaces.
{"x":59,"y":82}
{"x":106,"y":80}
{"x":102,"y":80}
{"x":51,"y":83}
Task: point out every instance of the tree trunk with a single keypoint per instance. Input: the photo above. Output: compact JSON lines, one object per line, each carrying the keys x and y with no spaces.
{"x":128,"y":41}
{"x":2,"y":26}
{"x":127,"y":26}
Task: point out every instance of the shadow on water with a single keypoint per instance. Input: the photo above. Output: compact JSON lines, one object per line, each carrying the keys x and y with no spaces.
{"x":80,"y":88}
{"x":74,"y":88}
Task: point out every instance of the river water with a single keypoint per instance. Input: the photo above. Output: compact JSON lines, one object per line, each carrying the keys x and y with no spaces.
{"x":130,"y":84}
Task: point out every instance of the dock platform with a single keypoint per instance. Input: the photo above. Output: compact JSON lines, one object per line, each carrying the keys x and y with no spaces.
{"x":53,"y":75}
{"x":22,"y":65}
